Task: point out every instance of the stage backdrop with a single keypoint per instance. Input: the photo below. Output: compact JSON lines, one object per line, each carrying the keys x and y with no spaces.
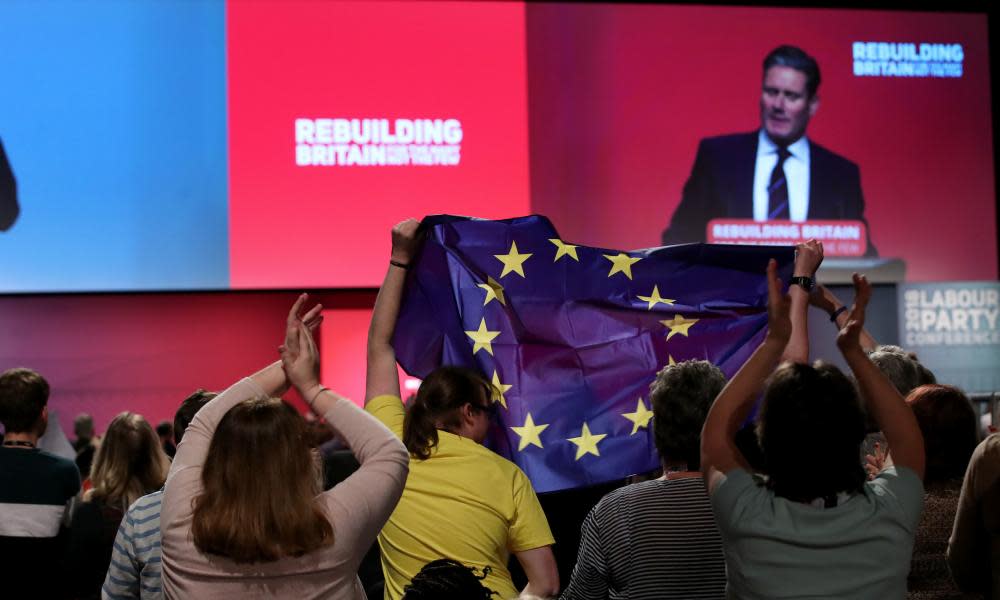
{"x":171,"y":145}
{"x":620,"y":96}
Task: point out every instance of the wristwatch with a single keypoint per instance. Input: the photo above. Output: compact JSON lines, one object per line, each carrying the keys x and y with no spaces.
{"x":807,"y":283}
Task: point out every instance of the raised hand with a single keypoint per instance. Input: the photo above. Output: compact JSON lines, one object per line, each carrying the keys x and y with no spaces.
{"x":808,"y":257}
{"x":779,"y":324}
{"x":849,"y":337}
{"x":405,"y":241}
{"x":299,"y":356}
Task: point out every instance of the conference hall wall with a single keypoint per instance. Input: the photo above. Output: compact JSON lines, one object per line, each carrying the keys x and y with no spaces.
{"x":222,"y":155}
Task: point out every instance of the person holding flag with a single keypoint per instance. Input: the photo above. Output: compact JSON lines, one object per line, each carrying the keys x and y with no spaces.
{"x":461,"y":500}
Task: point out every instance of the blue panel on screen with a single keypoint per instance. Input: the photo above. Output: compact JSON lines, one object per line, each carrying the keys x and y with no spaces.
{"x":113,"y":116}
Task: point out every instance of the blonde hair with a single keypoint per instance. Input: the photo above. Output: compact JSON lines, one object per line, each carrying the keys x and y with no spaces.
{"x":129,"y":462}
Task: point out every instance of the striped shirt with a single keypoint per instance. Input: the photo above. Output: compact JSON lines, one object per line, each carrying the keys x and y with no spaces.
{"x":135,"y":560}
{"x":655,"y":539}
{"x":35,"y":490}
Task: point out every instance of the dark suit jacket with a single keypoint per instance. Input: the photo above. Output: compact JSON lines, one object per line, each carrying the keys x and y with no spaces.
{"x":721,"y":185}
{"x":8,"y":193}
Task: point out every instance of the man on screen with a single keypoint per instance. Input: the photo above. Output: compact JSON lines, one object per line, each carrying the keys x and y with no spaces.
{"x":775,"y":172}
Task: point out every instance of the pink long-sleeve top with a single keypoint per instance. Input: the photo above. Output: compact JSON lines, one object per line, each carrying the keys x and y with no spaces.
{"x":357,"y":509}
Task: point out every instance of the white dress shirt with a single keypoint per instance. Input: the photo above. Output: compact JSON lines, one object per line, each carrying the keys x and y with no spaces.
{"x":796,"y":176}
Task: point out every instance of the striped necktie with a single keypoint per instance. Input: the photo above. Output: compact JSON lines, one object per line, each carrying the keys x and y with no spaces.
{"x":777,"y":189}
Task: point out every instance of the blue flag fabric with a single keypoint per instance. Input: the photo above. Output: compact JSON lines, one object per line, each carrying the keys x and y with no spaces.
{"x":571,"y":336}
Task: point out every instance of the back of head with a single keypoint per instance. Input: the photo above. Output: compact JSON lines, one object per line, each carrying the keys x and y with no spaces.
{"x":795,"y":58}
{"x":267,"y":512}
{"x":188,"y":409}
{"x":810,"y":430}
{"x":83,"y":426}
{"x":447,"y":579}
{"x":899,"y":366}
{"x":681,"y":395}
{"x":129,"y":463}
{"x":949,"y":425}
{"x":437,"y":404}
{"x":23,"y":395}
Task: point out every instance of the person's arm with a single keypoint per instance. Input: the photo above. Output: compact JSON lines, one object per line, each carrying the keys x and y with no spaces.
{"x":122,"y":579}
{"x":540,"y":567}
{"x":969,"y":548}
{"x":825,"y":300}
{"x":808,"y":257}
{"x":362,"y":503}
{"x":885,"y":404}
{"x":719,"y":453}
{"x":193,"y":448}
{"x":697,"y":205}
{"x":381,"y":376}
{"x":589,"y":580}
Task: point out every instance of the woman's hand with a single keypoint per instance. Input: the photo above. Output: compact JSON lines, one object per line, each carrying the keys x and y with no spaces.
{"x":299,"y":355}
{"x":848,"y":339}
{"x":779,"y":324}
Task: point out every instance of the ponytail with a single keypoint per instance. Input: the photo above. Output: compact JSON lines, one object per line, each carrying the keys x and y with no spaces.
{"x":437,"y":405}
{"x":419,"y":433}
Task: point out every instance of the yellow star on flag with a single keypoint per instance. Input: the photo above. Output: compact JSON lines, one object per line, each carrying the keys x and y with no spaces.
{"x":483,"y":338}
{"x":655,"y":298}
{"x":679,"y":325}
{"x":499,"y":389}
{"x":639,"y":418}
{"x":529,"y":433}
{"x":494,"y":291}
{"x":512,"y":261}
{"x":564,"y":249}
{"x":621,"y":263}
{"x":587,"y":442}
{"x":671,"y":360}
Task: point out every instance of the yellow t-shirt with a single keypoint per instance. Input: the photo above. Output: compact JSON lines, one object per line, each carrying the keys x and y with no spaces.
{"x":465,"y":503}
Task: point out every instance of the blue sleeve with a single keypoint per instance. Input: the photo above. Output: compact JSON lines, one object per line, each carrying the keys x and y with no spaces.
{"x":122,"y":580}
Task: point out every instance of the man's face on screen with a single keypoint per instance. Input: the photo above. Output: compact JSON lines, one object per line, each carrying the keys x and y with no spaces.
{"x":785,"y":105}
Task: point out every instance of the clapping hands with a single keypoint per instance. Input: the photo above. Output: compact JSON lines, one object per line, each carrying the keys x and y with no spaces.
{"x":849,"y":337}
{"x":299,"y":355}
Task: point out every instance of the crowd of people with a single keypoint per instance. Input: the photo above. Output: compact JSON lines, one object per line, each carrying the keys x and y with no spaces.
{"x":872,"y":484}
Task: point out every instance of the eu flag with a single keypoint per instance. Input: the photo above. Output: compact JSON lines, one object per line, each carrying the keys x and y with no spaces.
{"x":571,"y":336}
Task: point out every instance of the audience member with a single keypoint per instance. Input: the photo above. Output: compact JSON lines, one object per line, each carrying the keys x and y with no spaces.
{"x":658,"y":539}
{"x":447,"y":579}
{"x":815,"y":528}
{"x":134,"y":571}
{"x":129,"y":464}
{"x":902,"y":368}
{"x":85,"y":443}
{"x":165,"y":431}
{"x":83,"y":429}
{"x":242,"y":512}
{"x":36,"y":489}
{"x":974,"y":547}
{"x":947,"y":422}
{"x":443,"y":428}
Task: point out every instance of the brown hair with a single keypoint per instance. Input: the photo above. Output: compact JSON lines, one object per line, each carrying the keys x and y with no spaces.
{"x":437,"y":405}
{"x":23,"y":395}
{"x":129,"y":462}
{"x":950,"y":428}
{"x":810,"y":430}
{"x":268,"y":513}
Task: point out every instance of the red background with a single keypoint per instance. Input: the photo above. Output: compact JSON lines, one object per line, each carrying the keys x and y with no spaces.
{"x":621,"y":95}
{"x":292,"y":59}
{"x":147,"y":352}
